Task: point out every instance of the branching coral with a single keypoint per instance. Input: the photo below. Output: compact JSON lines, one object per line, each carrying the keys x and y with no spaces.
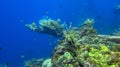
{"x":48,"y":26}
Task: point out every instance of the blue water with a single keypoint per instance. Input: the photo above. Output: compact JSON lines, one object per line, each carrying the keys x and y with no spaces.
{"x":17,"y":41}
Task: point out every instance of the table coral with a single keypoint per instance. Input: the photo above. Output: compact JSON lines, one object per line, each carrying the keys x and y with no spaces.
{"x":48,"y":26}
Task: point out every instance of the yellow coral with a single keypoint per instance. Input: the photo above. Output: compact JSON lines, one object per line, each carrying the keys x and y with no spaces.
{"x":104,"y":48}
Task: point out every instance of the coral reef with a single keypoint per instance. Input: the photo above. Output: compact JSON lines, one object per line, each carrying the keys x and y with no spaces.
{"x":34,"y":63}
{"x":47,"y":63}
{"x":38,"y":63}
{"x":84,"y":47}
{"x":117,"y":32}
{"x":48,"y":26}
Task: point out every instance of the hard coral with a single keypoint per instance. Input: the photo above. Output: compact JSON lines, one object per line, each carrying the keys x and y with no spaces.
{"x":86,"y":49}
{"x":48,"y":26}
{"x":82,"y":47}
{"x":38,"y":63}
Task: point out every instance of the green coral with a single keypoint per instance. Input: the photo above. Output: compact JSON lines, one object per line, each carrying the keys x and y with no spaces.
{"x":99,"y":57}
{"x":47,"y":63}
{"x":32,"y":26}
{"x":86,"y":48}
{"x":48,"y":26}
{"x":67,"y":55}
{"x":70,"y":35}
{"x":83,"y":47}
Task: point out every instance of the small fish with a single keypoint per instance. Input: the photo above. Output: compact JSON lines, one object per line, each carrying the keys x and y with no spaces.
{"x":34,"y":39}
{"x":50,"y":43}
{"x":60,"y":6}
{"x":0,"y":48}
{"x":98,"y":17}
{"x":46,"y":12}
{"x":88,"y":8}
{"x":21,"y":20}
{"x":22,"y":56}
